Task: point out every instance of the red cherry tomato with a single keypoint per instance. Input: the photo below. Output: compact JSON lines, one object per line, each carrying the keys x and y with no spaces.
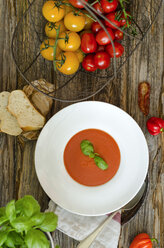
{"x":118,"y":35}
{"x":109,"y":6}
{"x":102,"y":60}
{"x":100,"y":48}
{"x":102,"y":37}
{"x":88,"y":63}
{"x":95,"y":27}
{"x":88,"y":43}
{"x":124,"y":21}
{"x":113,"y":18}
{"x":98,"y":7}
{"x":77,"y":3}
{"x":118,"y":47}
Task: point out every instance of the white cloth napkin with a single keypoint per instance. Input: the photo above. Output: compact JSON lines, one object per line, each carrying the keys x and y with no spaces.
{"x":79,"y":227}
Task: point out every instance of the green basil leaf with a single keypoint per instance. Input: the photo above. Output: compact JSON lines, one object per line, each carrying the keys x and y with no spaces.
{"x":10,"y":242}
{"x":87,"y":147}
{"x":100,"y":163}
{"x":3,"y":219}
{"x":15,"y":238}
{"x":36,"y":239}
{"x":2,"y":211}
{"x":50,"y":222}
{"x":27,"y":206}
{"x":10,"y":210}
{"x":3,"y":237}
{"x":57,"y":246}
{"x":22,"y":223}
{"x":37,"y":219}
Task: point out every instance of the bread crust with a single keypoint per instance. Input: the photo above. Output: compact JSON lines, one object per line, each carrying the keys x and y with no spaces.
{"x":20,"y":116}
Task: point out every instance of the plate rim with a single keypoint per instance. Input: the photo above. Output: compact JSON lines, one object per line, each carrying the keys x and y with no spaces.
{"x":119,"y":109}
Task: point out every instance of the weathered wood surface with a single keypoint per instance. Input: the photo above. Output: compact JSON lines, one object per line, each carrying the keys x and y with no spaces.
{"x":18,"y":177}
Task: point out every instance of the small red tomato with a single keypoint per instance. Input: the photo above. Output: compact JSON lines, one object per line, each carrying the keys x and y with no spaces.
{"x":77,"y":3}
{"x":109,"y":6}
{"x":102,"y":37}
{"x":155,"y":125}
{"x":123,"y":21}
{"x":113,"y":18}
{"x":95,"y":27}
{"x":142,"y":240}
{"x":88,"y":43}
{"x":118,"y":47}
{"x":88,"y":63}
{"x":100,"y":48}
{"x":118,"y":35}
{"x":102,"y":60}
{"x":98,"y":7}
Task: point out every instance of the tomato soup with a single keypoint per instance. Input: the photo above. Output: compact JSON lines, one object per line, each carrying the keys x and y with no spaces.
{"x":83,"y":168}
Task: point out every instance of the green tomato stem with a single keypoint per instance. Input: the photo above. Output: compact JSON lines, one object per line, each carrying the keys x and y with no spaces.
{"x":55,"y":46}
{"x":154,"y":240}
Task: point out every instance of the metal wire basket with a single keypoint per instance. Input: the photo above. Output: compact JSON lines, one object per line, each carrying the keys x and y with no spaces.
{"x":29,"y":34}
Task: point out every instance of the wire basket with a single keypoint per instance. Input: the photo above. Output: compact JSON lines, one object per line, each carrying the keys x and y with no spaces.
{"x":29,"y":34}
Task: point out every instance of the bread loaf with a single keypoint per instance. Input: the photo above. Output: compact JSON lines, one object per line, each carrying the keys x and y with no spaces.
{"x":27,"y":116}
{"x":9,"y":123}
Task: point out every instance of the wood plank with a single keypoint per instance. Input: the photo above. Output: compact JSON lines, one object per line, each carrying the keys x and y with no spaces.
{"x":18,"y":176}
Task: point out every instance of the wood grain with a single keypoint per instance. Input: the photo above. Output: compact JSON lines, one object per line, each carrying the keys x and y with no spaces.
{"x":18,"y":177}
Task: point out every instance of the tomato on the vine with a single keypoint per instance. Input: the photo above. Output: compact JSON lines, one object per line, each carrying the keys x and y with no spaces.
{"x":102,"y":60}
{"x":88,"y":43}
{"x":119,"y":49}
{"x":68,"y":7}
{"x":53,"y":11}
{"x":100,"y":48}
{"x":74,"y":21}
{"x":98,"y":7}
{"x":77,"y":3}
{"x":109,"y":5}
{"x":69,"y":41}
{"x":84,"y":32}
{"x":102,"y":37}
{"x":96,"y":27}
{"x":80,"y":55}
{"x":67,"y":63}
{"x":113,"y":18}
{"x":47,"y":49}
{"x":123,"y":20}
{"x":118,"y":35}
{"x":88,"y":63}
{"x":88,"y":20}
{"x":51,"y":27}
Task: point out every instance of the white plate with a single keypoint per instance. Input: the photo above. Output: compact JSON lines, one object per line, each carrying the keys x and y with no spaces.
{"x":67,"y":193}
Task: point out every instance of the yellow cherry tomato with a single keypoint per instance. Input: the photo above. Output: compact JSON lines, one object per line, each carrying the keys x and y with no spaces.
{"x":53,"y":11}
{"x":67,"y":7}
{"x":69,"y":41}
{"x":74,"y":21}
{"x":68,"y":63}
{"x":88,"y":20}
{"x":80,"y":55}
{"x":51,"y":27}
{"x":47,"y":49}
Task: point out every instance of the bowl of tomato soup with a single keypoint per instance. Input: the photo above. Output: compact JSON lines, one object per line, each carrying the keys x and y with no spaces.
{"x":91,"y":158}
{"x":82,"y":168}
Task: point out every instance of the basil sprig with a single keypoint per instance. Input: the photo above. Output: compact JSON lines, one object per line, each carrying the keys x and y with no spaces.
{"x":88,"y":150}
{"x":23,"y":225}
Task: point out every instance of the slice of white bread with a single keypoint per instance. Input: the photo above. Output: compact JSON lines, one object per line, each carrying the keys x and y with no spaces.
{"x":27,"y":116}
{"x":8,"y":123}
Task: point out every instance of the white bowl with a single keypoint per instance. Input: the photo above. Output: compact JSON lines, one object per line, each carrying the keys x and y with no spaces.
{"x":98,"y":200}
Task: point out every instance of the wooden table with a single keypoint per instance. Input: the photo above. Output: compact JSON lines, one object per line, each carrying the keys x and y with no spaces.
{"x":18,"y":177}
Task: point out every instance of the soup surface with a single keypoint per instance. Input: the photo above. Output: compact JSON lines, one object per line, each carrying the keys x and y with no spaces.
{"x":83,"y":168}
